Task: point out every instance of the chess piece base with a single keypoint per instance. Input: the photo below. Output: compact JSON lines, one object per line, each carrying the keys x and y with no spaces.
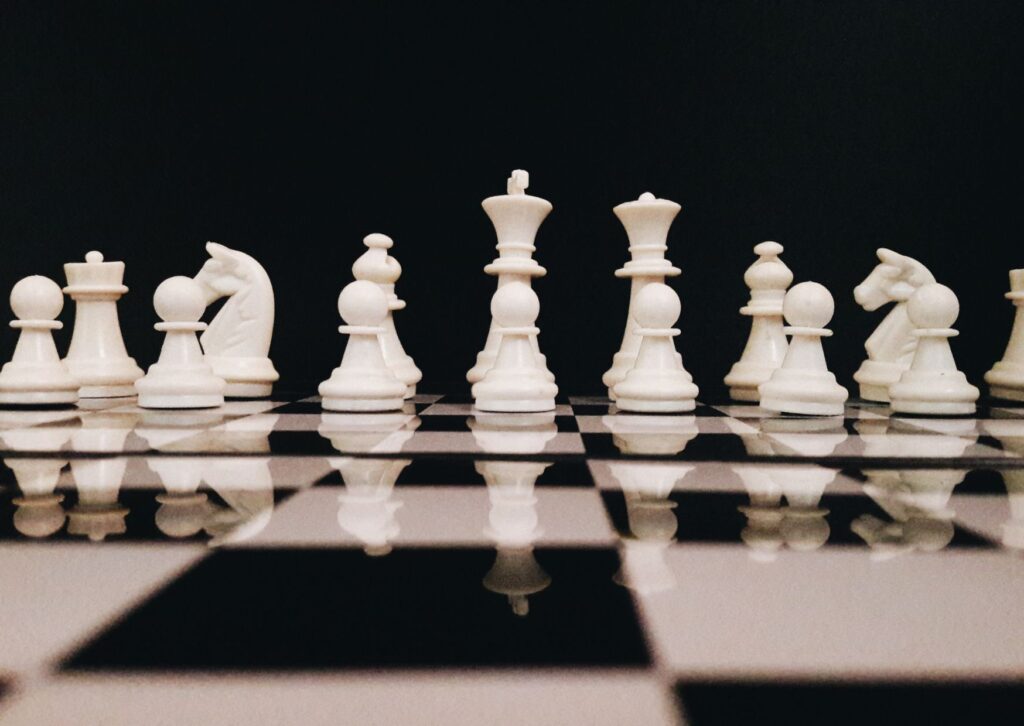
{"x":238,"y":389}
{"x":875,"y":378}
{"x":163,"y":400}
{"x":246,"y":377}
{"x":641,"y":405}
{"x":114,"y":391}
{"x":1007,"y":394}
{"x":517,"y":405}
{"x":38,"y":397}
{"x":1006,"y":380}
{"x":363,"y":405}
{"x":743,"y":393}
{"x":744,"y":378}
{"x":941,"y":393}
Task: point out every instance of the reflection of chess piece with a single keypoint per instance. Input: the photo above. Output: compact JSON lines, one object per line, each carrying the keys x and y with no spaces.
{"x":657,"y":435}
{"x":368,"y":433}
{"x":101,"y":433}
{"x":39,"y":512}
{"x":514,"y":527}
{"x":247,"y":435}
{"x":917,"y":503}
{"x":162,"y":429}
{"x":520,"y":433}
{"x":182,"y":515}
{"x":1013,"y":528}
{"x":246,"y":486}
{"x":98,"y":513}
{"x":365,"y":509}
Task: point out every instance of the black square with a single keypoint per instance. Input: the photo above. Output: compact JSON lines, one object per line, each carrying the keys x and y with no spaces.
{"x":323,"y":609}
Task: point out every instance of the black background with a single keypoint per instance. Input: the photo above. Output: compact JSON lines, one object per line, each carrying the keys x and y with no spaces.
{"x":291,"y":130}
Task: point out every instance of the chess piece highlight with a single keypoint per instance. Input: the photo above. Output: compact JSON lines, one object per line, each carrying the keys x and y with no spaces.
{"x":932,"y":384}
{"x":363,"y":381}
{"x":517,"y":381}
{"x":803,"y":383}
{"x":516,"y":217}
{"x":97,"y":356}
{"x":891,"y":347}
{"x":647,"y":221}
{"x":35,"y":374}
{"x":767,"y":279}
{"x":379,"y":267}
{"x":181,"y":377}
{"x":237,"y":341}
{"x":1006,"y":378}
{"x":658,"y":382}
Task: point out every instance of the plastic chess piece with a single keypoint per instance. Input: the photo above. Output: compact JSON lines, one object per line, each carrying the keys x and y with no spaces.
{"x":804,"y":384}
{"x":363,"y":381}
{"x":932,"y":384}
{"x":379,"y":267}
{"x":97,"y":356}
{"x":767,"y":279}
{"x":36,"y":374}
{"x":891,"y":347}
{"x":647,"y":221}
{"x":1006,"y":379}
{"x":181,"y":377}
{"x":237,"y":341}
{"x":516,"y":382}
{"x":658,"y":382}
{"x":516,"y":217}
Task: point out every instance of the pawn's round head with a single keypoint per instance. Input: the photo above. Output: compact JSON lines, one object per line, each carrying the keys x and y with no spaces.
{"x":179,"y":300}
{"x":37,"y":298}
{"x":363,"y":303}
{"x":657,"y":306}
{"x":376,"y":239}
{"x":808,"y":305}
{"x":515,"y":305}
{"x":933,"y":306}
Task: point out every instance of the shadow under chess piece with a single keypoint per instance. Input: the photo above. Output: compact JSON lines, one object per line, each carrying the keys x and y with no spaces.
{"x":363,"y":381}
{"x":932,"y":384}
{"x":237,"y":341}
{"x":657,"y":382}
{"x":647,"y":221}
{"x":181,"y":378}
{"x":35,"y":375}
{"x":891,"y":347}
{"x":804,"y":384}
{"x":517,"y":382}
{"x":766,"y":346}
{"x":651,"y":435}
{"x":379,"y":267}
{"x":1006,"y":378}
{"x":516,"y":217}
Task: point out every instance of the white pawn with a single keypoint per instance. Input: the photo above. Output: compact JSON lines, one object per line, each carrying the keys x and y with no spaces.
{"x":1006,"y":379}
{"x":767,"y":279}
{"x":363,"y":381}
{"x":804,"y":384}
{"x":377,"y":266}
{"x":181,"y":377}
{"x":517,"y":382}
{"x":36,"y":374}
{"x":657,"y":382}
{"x":932,"y":384}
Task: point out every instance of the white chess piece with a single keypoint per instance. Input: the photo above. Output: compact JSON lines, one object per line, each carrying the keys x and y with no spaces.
{"x":36,"y":374}
{"x":363,"y":381}
{"x":804,"y":384}
{"x":1006,"y":379}
{"x":181,"y":377}
{"x":767,"y":279}
{"x":516,"y":382}
{"x":647,"y":221}
{"x":379,"y":267}
{"x":932,"y":384}
{"x":97,"y":356}
{"x":237,"y":341}
{"x":658,"y":382}
{"x":516,"y":217}
{"x":891,"y":347}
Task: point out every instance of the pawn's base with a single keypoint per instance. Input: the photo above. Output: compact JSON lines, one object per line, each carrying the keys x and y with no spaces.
{"x":933,"y":408}
{"x":245,"y":389}
{"x":805,"y":408}
{"x":180,"y":400}
{"x":876,"y":376}
{"x":116,"y":391}
{"x":1007,"y":394}
{"x":1006,"y":380}
{"x":360,"y":405}
{"x":515,"y":405}
{"x":743,"y":393}
{"x":48,"y":398}
{"x":641,"y":405}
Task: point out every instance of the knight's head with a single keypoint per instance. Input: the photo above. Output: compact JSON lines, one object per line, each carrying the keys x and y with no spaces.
{"x":894,"y":278}
{"x":221,"y":275}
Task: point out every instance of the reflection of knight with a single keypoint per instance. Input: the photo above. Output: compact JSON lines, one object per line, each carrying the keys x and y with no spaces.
{"x":237,"y":342}
{"x":365,"y":509}
{"x":516,"y":433}
{"x":891,"y":347}
{"x":651,"y":434}
{"x":917,"y":503}
{"x":514,"y":527}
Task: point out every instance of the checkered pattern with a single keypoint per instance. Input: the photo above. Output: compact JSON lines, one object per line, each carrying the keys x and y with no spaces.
{"x":269,"y":563}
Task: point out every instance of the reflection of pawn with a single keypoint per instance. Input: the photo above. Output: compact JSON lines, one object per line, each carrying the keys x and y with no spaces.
{"x":932,"y":384}
{"x":516,"y":382}
{"x":519,"y":434}
{"x":767,"y":279}
{"x":181,"y":378}
{"x":366,"y":509}
{"x":363,"y":381}
{"x":36,"y":375}
{"x":1013,"y":528}
{"x":660,"y":435}
{"x":182,"y":515}
{"x":804,"y":384}
{"x":377,"y":266}
{"x":98,"y":512}
{"x":1006,"y":379}
{"x":657,"y":382}
{"x":39,"y":512}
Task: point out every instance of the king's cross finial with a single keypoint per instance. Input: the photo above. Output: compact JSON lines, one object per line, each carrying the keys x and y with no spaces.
{"x":518,"y":181}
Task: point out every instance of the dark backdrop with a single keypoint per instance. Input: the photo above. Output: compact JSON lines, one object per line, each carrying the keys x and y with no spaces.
{"x":291,"y":130}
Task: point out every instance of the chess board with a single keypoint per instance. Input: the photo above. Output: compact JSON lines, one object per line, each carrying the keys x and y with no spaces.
{"x":269,"y":563}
